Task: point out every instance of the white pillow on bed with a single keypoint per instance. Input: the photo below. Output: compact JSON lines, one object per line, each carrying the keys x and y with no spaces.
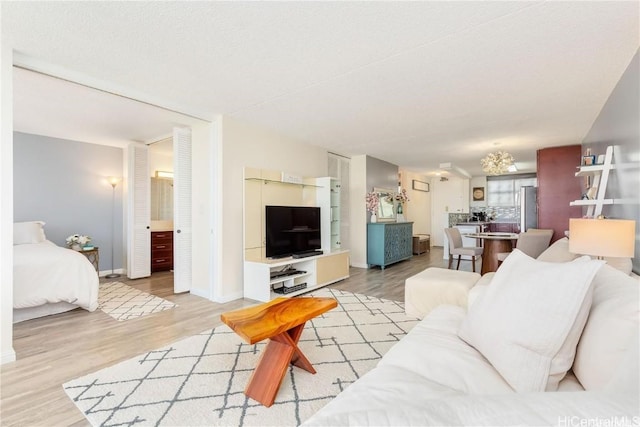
{"x":28,"y":232}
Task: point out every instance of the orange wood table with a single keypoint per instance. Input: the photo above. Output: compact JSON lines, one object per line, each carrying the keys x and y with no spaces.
{"x":282,"y":321}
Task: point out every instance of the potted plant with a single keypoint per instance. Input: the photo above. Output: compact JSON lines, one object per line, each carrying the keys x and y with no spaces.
{"x":372,"y":202}
{"x":77,"y":241}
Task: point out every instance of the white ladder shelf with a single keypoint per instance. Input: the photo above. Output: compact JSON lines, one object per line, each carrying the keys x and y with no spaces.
{"x":600,"y":174}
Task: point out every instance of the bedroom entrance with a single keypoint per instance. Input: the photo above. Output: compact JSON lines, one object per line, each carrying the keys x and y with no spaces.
{"x":159,"y":208}
{"x":161,"y":171}
{"x":97,"y":117}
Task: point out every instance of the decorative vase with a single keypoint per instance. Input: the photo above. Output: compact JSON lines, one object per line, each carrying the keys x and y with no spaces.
{"x":400,"y":208}
{"x":374,"y":218}
{"x":76,"y":247}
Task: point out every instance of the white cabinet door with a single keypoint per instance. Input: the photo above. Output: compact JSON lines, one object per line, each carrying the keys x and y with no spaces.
{"x":138,"y":212}
{"x":182,"y":238}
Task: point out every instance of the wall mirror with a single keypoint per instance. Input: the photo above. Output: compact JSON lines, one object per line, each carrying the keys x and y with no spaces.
{"x":161,"y":199}
{"x":386,"y":210}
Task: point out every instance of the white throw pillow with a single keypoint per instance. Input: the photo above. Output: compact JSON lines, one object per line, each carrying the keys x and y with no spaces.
{"x":607,"y":355}
{"x":28,"y":232}
{"x":558,"y":252}
{"x":529,"y":320}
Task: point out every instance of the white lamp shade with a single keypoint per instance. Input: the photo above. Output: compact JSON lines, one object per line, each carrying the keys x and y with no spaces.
{"x":602,"y":237}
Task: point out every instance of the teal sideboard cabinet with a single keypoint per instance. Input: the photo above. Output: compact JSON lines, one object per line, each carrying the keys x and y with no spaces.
{"x":389,"y":242}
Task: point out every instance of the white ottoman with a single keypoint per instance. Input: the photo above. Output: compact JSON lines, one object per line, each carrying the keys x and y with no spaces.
{"x":435,"y":286}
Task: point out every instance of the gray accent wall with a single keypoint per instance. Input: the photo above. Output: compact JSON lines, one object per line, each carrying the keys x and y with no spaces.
{"x":63,"y":183}
{"x":380,"y":174}
{"x":618,"y":124}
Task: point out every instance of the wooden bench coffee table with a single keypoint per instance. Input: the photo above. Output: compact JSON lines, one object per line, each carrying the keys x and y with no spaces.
{"x":282,"y":321}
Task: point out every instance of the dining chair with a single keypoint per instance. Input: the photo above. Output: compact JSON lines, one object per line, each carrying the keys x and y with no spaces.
{"x":532,"y":242}
{"x":455,"y":248}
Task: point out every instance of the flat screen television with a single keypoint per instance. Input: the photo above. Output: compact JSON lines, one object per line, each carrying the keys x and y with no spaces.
{"x":291,"y":230}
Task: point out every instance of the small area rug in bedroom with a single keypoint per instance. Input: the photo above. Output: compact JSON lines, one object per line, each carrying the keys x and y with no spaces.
{"x":123,"y":302}
{"x":200,"y":380}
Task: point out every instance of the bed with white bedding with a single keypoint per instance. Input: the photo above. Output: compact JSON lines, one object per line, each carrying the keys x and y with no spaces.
{"x":48,"y":279}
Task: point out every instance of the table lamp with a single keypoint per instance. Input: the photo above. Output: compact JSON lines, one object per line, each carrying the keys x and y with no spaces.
{"x":602,"y":237}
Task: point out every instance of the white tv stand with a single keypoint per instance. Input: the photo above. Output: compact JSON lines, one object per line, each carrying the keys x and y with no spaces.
{"x":318,"y":271}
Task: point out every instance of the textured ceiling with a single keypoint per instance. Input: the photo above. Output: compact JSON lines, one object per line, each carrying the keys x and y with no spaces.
{"x":413,"y":83}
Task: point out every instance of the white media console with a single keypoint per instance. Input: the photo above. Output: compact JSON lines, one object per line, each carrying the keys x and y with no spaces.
{"x":315,"y":271}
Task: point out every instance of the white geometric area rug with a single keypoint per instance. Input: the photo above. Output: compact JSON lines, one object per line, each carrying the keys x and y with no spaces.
{"x":200,"y":380}
{"x":123,"y":302}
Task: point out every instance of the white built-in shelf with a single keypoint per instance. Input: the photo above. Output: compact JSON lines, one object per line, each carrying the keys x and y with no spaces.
{"x":319,"y":271}
{"x":285,"y":278}
{"x":299,"y":184}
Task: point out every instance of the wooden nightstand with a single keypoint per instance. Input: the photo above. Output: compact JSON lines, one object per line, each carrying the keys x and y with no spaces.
{"x":93,"y":255}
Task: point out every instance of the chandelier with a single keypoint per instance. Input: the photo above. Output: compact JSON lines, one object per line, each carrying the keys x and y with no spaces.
{"x":497,"y":163}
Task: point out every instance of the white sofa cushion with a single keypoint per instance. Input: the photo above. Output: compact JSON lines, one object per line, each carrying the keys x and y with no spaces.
{"x":436,"y":286}
{"x":411,"y":408}
{"x":607,"y":355}
{"x":432,"y":350}
{"x":558,"y":252}
{"x":529,"y":320}
{"x":479,"y":288}
{"x":28,"y":232}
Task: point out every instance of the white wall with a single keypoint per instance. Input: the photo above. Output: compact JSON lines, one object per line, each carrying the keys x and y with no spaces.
{"x":7,"y":354}
{"x":246,"y":145}
{"x":618,"y":124}
{"x":448,"y":197}
{"x":358,"y":230}
{"x":204,"y":153}
{"x":418,"y":208}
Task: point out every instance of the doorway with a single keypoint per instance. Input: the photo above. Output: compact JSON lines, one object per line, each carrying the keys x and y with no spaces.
{"x":96,"y":117}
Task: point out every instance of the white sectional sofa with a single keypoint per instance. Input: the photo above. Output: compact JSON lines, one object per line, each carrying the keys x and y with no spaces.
{"x":539,"y":345}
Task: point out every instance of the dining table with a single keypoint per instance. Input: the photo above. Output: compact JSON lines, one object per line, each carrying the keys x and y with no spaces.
{"x":493,"y":244}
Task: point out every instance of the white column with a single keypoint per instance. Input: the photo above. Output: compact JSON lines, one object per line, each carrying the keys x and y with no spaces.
{"x":7,"y":354}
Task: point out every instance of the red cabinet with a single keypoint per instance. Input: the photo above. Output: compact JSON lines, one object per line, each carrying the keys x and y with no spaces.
{"x":161,"y":250}
{"x":557,"y":187}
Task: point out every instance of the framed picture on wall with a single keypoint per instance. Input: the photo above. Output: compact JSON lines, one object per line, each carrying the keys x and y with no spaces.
{"x":478,"y":194}
{"x":420,"y":186}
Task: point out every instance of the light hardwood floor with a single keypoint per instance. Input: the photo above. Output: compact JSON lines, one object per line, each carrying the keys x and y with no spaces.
{"x":56,"y":349}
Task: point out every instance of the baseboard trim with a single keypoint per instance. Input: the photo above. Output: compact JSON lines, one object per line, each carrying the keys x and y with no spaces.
{"x":358,"y":265}
{"x":8,"y":357}
{"x":200,"y":293}
{"x":222,"y":300}
{"x":228,"y":298}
